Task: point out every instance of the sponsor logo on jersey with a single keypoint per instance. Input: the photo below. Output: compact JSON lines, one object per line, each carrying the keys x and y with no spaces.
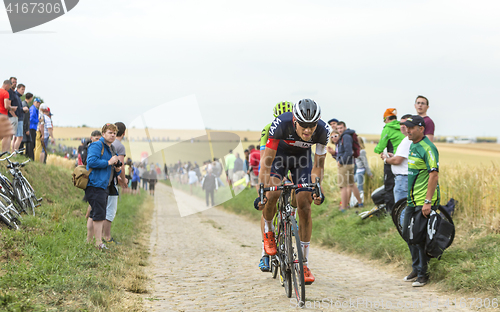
{"x":275,"y":124}
{"x":298,"y":143}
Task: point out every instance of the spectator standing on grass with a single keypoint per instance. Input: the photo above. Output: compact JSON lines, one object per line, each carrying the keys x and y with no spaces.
{"x":44,"y":124}
{"x":238,"y":172}
{"x":22,"y":107}
{"x":112,"y":204}
{"x":209,"y":184}
{"x":100,"y":179}
{"x":217,"y":171}
{"x":26,"y":140}
{"x":153,"y":179}
{"x":34,"y":114}
{"x":15,"y":105}
{"x":4,"y":110}
{"x":135,"y":179}
{"x":6,"y":129}
{"x":142,"y":174}
{"x":362,"y":168}
{"x":230,"y":167}
{"x":399,"y":163}
{"x":345,"y":163}
{"x":389,"y":139}
{"x":423,"y":191}
{"x":94,"y":137}
{"x":193,"y":179}
{"x":334,"y":140}
{"x":254,"y":162}
{"x":422,"y":105}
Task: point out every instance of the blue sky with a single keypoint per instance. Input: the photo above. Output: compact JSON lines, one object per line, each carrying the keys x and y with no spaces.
{"x":113,"y":60}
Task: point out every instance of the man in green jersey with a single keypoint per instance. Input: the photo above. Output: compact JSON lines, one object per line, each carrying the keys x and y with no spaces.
{"x":423,"y":191}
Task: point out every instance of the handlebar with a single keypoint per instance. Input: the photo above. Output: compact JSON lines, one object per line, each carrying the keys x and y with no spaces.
{"x":316,"y":186}
{"x":19,"y":151}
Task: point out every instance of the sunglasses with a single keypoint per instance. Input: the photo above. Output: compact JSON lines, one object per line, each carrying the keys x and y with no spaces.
{"x":307,"y":124}
{"x":335,"y":136}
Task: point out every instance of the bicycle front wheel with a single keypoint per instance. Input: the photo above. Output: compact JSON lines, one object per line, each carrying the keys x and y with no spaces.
{"x":296,"y":258}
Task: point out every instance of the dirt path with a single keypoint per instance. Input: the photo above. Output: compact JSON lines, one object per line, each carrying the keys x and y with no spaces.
{"x":208,"y":262}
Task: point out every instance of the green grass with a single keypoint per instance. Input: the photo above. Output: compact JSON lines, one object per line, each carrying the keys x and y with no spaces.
{"x":47,"y":265}
{"x":470,"y":265}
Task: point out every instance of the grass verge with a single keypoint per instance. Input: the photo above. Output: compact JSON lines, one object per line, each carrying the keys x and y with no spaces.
{"x":48,"y":265}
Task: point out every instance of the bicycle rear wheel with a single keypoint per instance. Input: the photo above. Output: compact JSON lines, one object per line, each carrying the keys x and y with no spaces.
{"x":294,"y":250}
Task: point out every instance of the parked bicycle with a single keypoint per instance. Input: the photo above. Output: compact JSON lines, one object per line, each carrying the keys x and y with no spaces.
{"x":8,"y":214}
{"x":23,"y":192}
{"x":289,"y":260}
{"x":379,"y":201}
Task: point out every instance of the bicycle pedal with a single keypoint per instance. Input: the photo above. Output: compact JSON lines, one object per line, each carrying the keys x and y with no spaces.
{"x":39,"y":199}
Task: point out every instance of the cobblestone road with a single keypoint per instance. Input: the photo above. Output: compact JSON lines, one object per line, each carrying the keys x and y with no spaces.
{"x":208,"y":262}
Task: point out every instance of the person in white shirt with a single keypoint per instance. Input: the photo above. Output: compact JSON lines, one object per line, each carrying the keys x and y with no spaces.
{"x":399,"y":164}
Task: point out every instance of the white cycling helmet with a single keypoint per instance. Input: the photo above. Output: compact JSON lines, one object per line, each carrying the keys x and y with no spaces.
{"x":307,"y":111}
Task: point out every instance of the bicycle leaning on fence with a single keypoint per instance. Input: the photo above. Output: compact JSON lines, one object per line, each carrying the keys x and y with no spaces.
{"x":289,"y":258}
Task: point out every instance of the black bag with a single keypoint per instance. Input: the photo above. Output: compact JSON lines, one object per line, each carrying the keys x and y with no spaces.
{"x":439,"y":235}
{"x":417,"y":228}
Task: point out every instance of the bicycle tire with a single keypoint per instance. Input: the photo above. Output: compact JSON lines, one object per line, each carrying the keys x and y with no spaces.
{"x":31,"y":191}
{"x":30,"y":204}
{"x":398,"y":213}
{"x":7,"y":218}
{"x":18,"y":197}
{"x":297,"y":262}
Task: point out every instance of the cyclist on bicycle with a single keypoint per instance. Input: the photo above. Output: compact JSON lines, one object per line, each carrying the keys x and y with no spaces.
{"x":280,"y":108}
{"x":288,"y":148}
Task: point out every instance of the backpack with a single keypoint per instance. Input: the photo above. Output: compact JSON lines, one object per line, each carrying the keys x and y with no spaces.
{"x":81,"y":174}
{"x":439,"y":236}
{"x":356,"y":148}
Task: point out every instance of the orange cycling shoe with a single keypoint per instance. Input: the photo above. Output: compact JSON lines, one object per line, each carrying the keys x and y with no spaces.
{"x":269,"y":243}
{"x":308,"y":276}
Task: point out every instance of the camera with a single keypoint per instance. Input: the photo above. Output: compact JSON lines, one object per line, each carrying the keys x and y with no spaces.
{"x":118,"y":163}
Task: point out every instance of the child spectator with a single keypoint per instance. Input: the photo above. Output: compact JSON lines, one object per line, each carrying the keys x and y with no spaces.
{"x":362,"y":167}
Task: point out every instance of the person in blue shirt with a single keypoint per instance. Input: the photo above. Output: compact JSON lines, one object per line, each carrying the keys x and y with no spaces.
{"x":33,"y":126}
{"x":102,"y":160}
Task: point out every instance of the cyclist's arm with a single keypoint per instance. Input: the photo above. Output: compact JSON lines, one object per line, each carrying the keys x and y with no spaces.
{"x":319,"y":163}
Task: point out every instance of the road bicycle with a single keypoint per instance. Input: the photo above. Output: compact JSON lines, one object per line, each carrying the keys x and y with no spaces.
{"x":398,"y":214}
{"x":379,"y":201}
{"x":289,"y":260}
{"x":8,"y":214}
{"x":22,"y":189}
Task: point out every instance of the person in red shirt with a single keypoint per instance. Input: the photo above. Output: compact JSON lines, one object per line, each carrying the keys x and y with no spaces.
{"x":254,"y":161}
{"x":4,"y":97}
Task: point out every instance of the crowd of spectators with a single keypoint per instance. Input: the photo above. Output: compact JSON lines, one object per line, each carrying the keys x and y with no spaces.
{"x":30,"y":121}
{"x":352,"y":171}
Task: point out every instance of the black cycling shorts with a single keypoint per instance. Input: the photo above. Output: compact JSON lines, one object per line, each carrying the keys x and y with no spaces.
{"x":98,"y":200}
{"x":299,"y":165}
{"x":134,"y":185}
